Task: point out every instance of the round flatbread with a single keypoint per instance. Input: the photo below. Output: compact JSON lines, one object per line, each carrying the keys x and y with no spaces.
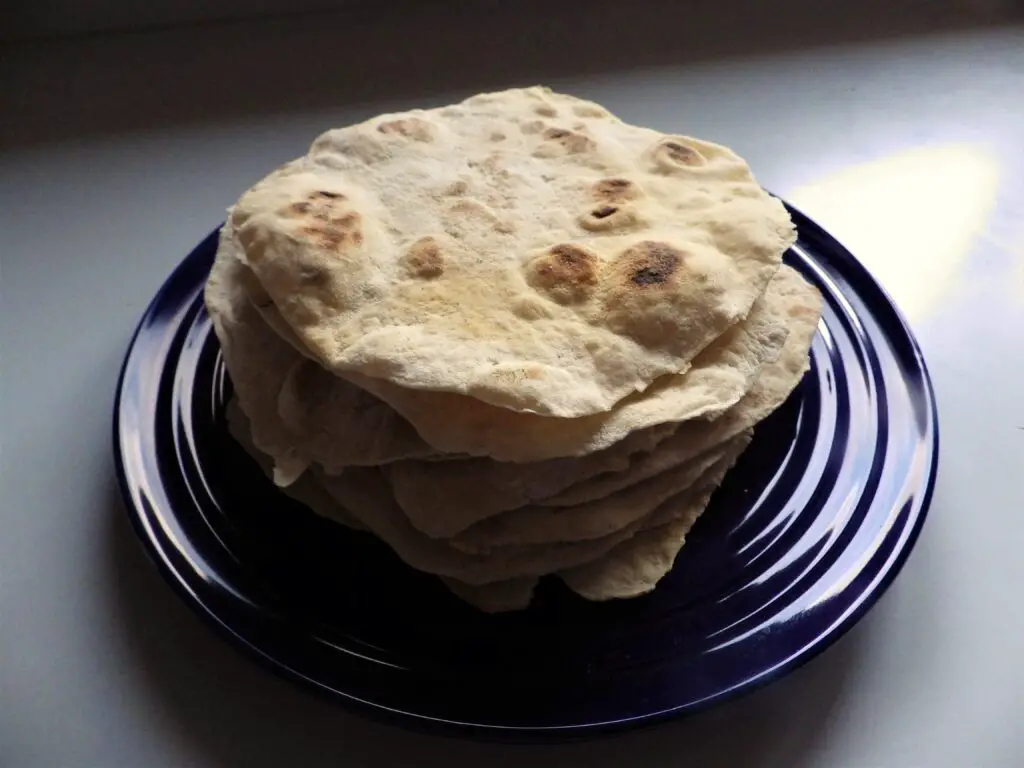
{"x":523,"y":248}
{"x":443,"y":500}
{"x":266,"y":372}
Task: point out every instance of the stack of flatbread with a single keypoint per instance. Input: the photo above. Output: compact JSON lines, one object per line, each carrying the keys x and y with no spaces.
{"x":511,"y":337}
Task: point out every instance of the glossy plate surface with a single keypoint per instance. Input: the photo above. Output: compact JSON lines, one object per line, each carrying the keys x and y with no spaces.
{"x":809,"y":529}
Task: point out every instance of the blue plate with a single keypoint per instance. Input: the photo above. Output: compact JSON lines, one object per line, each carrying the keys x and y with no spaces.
{"x":809,"y":529}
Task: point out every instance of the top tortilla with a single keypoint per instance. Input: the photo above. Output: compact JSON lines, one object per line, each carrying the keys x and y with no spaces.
{"x":525,"y":248}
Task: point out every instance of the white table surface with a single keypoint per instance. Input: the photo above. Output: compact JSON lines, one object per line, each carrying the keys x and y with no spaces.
{"x":118,"y":155}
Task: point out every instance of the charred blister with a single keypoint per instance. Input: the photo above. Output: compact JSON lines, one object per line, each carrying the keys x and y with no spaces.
{"x":615,"y":190}
{"x":424,"y":259}
{"x":607,"y":217}
{"x":613,"y":207}
{"x":675,"y":154}
{"x":648,"y":292}
{"x":566,"y":273}
{"x":650,"y":264}
{"x":326,"y":220}
{"x":570,"y":142}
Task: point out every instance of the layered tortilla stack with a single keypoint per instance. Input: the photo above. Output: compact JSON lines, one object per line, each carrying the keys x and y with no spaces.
{"x":511,"y":337}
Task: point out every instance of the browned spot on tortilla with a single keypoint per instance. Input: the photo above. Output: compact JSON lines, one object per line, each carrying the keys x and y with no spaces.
{"x":682,"y":154}
{"x":337,"y":232}
{"x":424,"y":259}
{"x":604,"y":218}
{"x":413,"y":128}
{"x":651,"y":263}
{"x":567,"y":273}
{"x":326,"y":220}
{"x":570,"y":141}
{"x":615,"y":190}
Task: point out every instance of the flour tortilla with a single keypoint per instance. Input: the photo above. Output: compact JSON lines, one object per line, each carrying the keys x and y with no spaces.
{"x":635,"y":566}
{"x":523,"y":248}
{"x":775,"y":383}
{"x":309,"y":494}
{"x":719,"y":377}
{"x":365,"y":493}
{"x":442,"y":501}
{"x":339,"y":427}
{"x":538,"y":524}
{"x":495,"y":583}
{"x":340,"y":424}
{"x":257,"y":361}
{"x":266,"y":372}
{"x":501,"y":596}
{"x":510,"y":595}
{"x":690,"y":440}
